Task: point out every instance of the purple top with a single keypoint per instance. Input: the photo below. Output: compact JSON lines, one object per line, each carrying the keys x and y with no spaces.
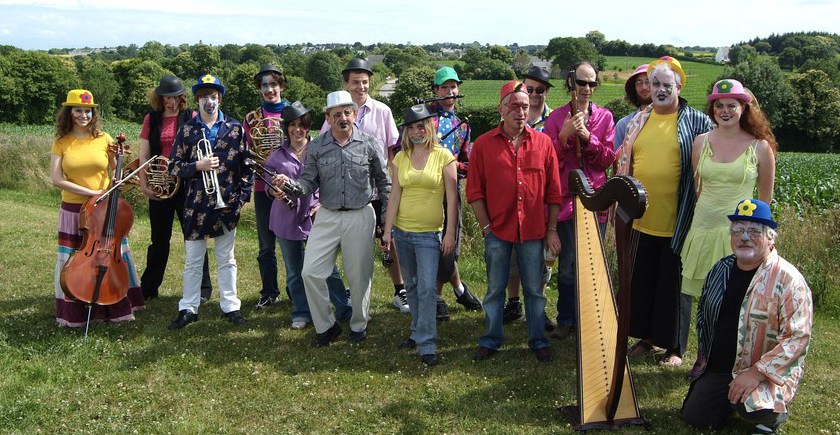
{"x":598,"y":154}
{"x":286,"y":223}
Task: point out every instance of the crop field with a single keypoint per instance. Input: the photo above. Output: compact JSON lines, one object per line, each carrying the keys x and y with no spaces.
{"x":807,"y":180}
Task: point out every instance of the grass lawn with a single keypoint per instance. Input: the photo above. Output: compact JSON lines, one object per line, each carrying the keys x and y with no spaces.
{"x":265,"y":378}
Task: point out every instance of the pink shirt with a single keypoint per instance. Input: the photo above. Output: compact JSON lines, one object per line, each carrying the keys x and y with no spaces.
{"x":375,"y":119}
{"x":168,"y":130}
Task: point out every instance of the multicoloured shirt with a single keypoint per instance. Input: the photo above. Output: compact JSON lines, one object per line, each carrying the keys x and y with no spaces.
{"x":453,"y":134}
{"x":774,"y":328}
{"x":539,"y":125}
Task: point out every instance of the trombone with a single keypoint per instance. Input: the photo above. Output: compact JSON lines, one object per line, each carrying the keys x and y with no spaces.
{"x":210,"y":178}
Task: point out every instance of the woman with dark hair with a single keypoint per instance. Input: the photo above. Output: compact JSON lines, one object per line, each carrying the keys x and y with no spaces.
{"x":82,"y":160}
{"x":421,"y":174}
{"x":729,"y":162}
{"x":291,"y":223}
{"x":169,"y":113}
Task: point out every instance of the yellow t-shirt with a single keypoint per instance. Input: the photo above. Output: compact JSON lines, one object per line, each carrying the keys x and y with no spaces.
{"x":421,"y":203}
{"x":656,"y":164}
{"x":84,"y":161}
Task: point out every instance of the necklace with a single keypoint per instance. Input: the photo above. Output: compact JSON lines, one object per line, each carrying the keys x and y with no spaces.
{"x":298,"y":152}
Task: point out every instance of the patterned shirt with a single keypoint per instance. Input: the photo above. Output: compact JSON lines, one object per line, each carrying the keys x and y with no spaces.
{"x":453,"y":134}
{"x":774,"y":327}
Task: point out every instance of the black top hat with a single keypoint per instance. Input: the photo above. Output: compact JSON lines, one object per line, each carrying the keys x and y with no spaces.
{"x":539,"y":74}
{"x":170,"y":86}
{"x":357,"y":65}
{"x":269,"y":68}
{"x":293,"y":111}
{"x":417,"y":112}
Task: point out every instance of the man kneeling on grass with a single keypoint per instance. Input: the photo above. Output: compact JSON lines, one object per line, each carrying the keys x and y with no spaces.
{"x":753,"y":327}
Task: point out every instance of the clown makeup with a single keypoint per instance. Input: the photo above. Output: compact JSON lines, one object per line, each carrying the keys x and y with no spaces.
{"x":342,"y":118}
{"x":514,"y":110}
{"x":416,"y":132}
{"x":271,"y":89}
{"x":448,"y":89}
{"x":170,"y":104}
{"x":209,"y":104}
{"x":664,"y":89}
{"x":727,"y":110}
{"x":82,"y":115}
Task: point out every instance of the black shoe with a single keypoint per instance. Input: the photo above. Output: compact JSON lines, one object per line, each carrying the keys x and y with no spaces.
{"x":543,"y":354}
{"x":407,"y":344}
{"x":549,"y":325}
{"x":235,"y":317}
{"x":356,"y":337}
{"x":442,"y":310}
{"x":266,"y":301}
{"x":185,"y":317}
{"x":468,"y":300}
{"x":430,"y":359}
{"x":482,"y":353}
{"x":512,"y":311}
{"x":562,"y":332}
{"x":328,"y":336}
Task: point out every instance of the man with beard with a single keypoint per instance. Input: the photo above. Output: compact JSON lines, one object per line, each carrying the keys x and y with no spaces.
{"x":342,"y":163}
{"x":454,"y":135}
{"x":637,"y":93}
{"x":513,"y":178}
{"x":657,"y":151}
{"x":754,"y":326}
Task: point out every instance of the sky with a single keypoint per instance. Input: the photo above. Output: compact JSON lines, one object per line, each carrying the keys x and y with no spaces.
{"x":45,"y":24}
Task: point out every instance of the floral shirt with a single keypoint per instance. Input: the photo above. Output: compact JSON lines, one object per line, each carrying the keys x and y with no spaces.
{"x":774,"y":328}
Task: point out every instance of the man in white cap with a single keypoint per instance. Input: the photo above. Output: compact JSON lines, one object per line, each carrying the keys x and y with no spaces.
{"x":637,"y":93}
{"x":342,"y":163}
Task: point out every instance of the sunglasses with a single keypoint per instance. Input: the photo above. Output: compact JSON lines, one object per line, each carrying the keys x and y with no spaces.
{"x":539,"y":91}
{"x":583,"y":83}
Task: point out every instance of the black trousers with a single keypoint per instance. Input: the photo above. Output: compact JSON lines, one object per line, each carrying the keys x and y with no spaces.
{"x":659,"y":312}
{"x":161,"y":216}
{"x":707,"y":406}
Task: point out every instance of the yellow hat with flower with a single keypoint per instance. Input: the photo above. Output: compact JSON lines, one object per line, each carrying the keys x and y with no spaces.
{"x":79,"y":98}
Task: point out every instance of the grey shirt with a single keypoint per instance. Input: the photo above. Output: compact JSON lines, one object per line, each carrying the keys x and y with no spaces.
{"x":344,"y":173}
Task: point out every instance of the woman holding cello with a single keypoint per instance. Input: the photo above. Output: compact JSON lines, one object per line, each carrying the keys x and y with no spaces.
{"x":81,"y":162}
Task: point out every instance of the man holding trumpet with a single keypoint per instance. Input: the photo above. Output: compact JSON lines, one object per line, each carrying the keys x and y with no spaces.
{"x":208,"y":156}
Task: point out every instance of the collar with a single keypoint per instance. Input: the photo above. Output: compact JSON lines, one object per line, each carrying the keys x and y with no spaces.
{"x":356,"y":135}
{"x":526,"y":134}
{"x":274,"y":107}
{"x":220,"y":119}
{"x":545,"y":113}
{"x":443,"y":112}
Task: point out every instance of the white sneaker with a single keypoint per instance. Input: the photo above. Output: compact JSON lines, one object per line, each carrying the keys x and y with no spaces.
{"x":299,"y":324}
{"x":401,"y":301}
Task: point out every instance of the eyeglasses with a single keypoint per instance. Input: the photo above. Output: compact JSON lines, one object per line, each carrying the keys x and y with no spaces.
{"x":583,"y":83}
{"x":539,"y":91}
{"x":753,"y":233}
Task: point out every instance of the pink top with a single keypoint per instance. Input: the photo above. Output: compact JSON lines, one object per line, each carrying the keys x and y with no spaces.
{"x":375,"y":119}
{"x":167,"y":133}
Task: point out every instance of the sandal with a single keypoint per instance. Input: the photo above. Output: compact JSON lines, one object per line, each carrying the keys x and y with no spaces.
{"x":670,"y":360}
{"x":640,"y":348}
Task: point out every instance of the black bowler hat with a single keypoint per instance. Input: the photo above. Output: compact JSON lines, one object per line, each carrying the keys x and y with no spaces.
{"x":170,"y":86}
{"x":539,"y":74}
{"x":417,"y":112}
{"x":357,"y":65}
{"x":267,"y":68}
{"x":293,"y":111}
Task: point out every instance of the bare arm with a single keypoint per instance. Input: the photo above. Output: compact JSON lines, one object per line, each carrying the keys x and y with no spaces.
{"x":450,"y":184}
{"x":479,"y":207}
{"x":696,"y":149}
{"x":766,"y":171}
{"x":393,"y":207}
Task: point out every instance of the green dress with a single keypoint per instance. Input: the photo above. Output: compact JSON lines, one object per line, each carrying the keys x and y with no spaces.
{"x":723,"y":186}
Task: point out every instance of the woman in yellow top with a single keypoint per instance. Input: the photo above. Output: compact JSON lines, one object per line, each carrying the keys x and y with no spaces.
{"x":81,"y":163}
{"x":420,"y":175}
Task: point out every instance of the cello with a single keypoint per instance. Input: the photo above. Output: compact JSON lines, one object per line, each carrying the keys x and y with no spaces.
{"x":96,"y":273}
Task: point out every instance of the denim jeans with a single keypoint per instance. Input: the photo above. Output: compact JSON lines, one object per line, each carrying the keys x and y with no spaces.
{"x":529,"y":256}
{"x":419,"y":254}
{"x":566,"y":272}
{"x":293,"y":251}
{"x":266,"y":257}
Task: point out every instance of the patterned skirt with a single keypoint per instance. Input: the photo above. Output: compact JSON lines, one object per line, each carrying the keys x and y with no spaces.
{"x":74,"y":314}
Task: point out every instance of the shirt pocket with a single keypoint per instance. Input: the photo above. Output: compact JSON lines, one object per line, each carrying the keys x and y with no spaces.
{"x":359,"y":167}
{"x":765,"y":313}
{"x":328,"y":167}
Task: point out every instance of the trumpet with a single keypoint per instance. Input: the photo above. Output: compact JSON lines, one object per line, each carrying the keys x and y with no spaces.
{"x":210,"y":178}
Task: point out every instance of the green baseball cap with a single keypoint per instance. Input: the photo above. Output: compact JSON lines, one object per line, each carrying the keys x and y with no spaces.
{"x":444,"y":74}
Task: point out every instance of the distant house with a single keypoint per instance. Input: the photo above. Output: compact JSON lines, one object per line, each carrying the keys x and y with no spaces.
{"x":373,"y":59}
{"x":722,"y":55}
{"x":84,"y":51}
{"x":542,"y":63}
{"x":455,"y":52}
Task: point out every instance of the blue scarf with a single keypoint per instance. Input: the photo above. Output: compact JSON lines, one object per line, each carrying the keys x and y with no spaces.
{"x":274,"y":107}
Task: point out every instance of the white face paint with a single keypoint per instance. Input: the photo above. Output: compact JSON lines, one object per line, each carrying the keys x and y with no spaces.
{"x":727,"y":111}
{"x":208,"y":105}
{"x":270,"y":89}
{"x":664,"y":89}
{"x":416,"y":132}
{"x":82,"y":115}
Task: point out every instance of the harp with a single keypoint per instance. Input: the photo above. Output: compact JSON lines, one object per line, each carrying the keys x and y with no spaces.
{"x":606,"y":397}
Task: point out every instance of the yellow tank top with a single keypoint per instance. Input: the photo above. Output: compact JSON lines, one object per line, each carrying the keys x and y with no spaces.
{"x":656,"y":164}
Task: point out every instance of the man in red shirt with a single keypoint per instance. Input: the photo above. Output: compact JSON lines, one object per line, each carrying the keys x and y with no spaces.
{"x":513,"y":176}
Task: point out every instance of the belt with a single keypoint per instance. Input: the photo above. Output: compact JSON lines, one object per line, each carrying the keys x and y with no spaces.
{"x":351,"y":209}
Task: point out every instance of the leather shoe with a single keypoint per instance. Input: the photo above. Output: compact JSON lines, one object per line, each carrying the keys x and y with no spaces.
{"x":482,"y":353}
{"x":356,"y":337}
{"x":407,"y":344}
{"x":328,"y":336}
{"x":235,"y":317}
{"x":430,"y":359}
{"x":184,"y":318}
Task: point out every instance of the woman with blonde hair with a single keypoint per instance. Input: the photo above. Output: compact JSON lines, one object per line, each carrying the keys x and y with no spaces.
{"x":421,"y":174}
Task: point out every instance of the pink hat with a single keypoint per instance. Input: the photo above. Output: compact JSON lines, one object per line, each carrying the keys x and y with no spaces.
{"x":511,"y":87}
{"x":631,"y":82}
{"x":729,"y":88}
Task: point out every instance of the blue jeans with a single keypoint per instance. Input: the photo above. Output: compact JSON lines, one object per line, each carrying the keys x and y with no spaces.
{"x":293,"y":260}
{"x":419,"y":254}
{"x":529,"y":256}
{"x":566,"y":272}
{"x":266,"y":258}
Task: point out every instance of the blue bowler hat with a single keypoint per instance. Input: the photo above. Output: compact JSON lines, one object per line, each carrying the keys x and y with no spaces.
{"x":753,"y":210}
{"x":208,"y":81}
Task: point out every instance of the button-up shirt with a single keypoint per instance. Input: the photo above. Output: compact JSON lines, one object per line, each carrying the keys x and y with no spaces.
{"x":375,"y":119}
{"x":344,"y":173}
{"x":289,"y":223}
{"x":516,"y":185}
{"x":457,"y":133}
{"x":539,"y":124}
